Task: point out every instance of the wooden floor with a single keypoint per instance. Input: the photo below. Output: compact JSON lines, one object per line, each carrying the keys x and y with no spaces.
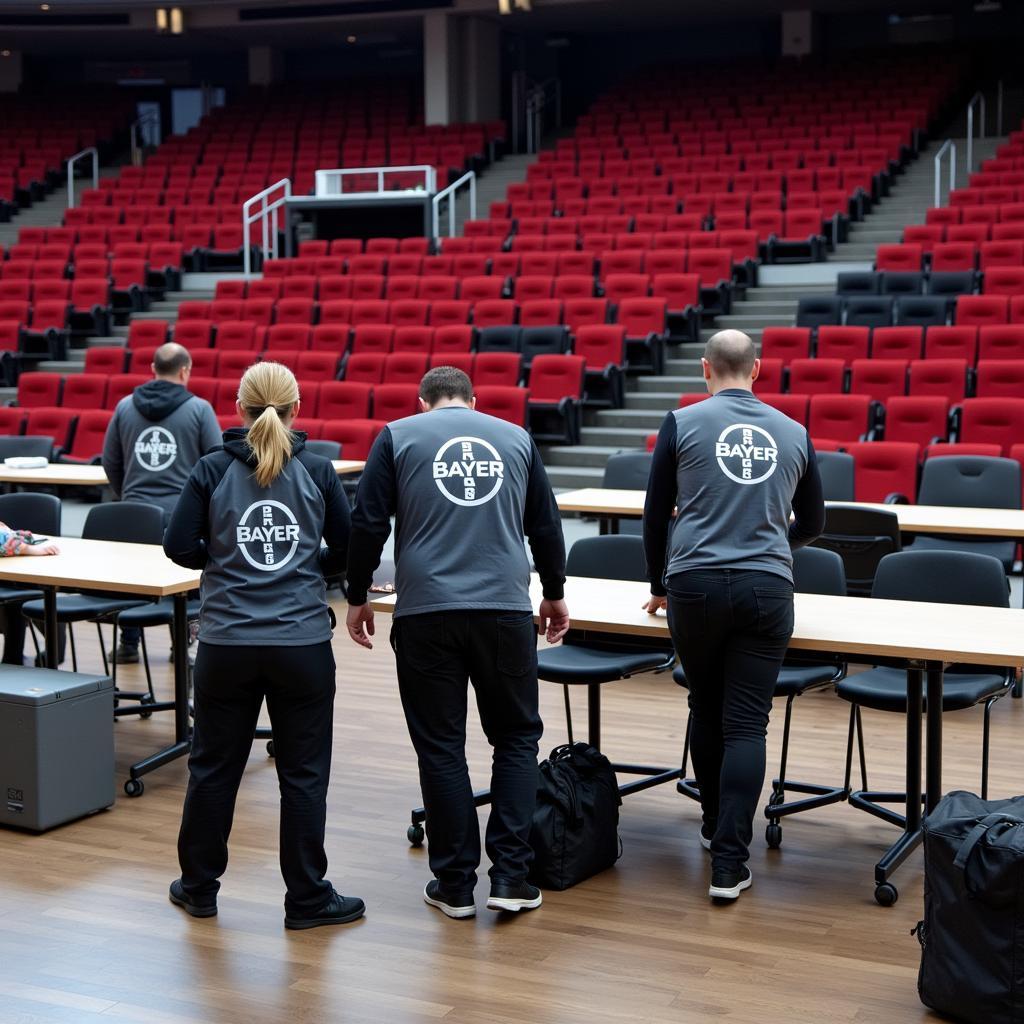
{"x":87,"y":934}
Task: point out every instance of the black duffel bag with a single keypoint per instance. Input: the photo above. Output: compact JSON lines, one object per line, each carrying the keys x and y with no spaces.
{"x":575,"y":831}
{"x":972,"y":935}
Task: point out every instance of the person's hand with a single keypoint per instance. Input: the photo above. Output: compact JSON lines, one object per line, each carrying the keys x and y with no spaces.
{"x":554,"y":620}
{"x":655,"y":604}
{"x":359,"y":622}
{"x":46,"y":548}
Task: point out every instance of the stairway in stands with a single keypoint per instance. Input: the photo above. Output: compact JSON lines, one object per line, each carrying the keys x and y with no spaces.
{"x":770,"y":305}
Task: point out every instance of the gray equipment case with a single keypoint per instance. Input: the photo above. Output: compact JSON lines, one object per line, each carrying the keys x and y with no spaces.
{"x":56,"y":746}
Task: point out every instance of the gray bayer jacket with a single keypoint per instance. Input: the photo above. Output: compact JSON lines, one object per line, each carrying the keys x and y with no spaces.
{"x":156,"y":435}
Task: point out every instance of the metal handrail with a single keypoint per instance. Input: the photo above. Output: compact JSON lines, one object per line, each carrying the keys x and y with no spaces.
{"x":951,"y":146}
{"x":136,"y":150}
{"x":977,"y":99}
{"x":323,"y":176}
{"x":267,"y":212}
{"x":95,"y":154}
{"x":449,"y":193}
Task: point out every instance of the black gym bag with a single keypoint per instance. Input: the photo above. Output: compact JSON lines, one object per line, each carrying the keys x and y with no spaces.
{"x":575,"y":831}
{"x":972,"y":935}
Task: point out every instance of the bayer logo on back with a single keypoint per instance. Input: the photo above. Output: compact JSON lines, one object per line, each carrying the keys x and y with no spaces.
{"x":155,"y":449}
{"x":267,"y":535}
{"x":468,"y":471}
{"x":747,"y":454}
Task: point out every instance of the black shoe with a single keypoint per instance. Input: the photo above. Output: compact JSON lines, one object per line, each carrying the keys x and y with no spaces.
{"x":180,"y":898}
{"x":453,"y":904}
{"x":338,"y":910}
{"x":705,"y":839}
{"x":514,"y":897}
{"x":125,"y":655}
{"x":728,"y":884}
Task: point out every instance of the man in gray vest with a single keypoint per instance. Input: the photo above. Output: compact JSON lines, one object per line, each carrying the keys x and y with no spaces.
{"x":156,"y":435}
{"x":734,"y":469}
{"x":466,"y":490}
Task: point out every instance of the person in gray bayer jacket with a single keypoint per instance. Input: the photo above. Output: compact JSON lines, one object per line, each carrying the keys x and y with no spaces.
{"x":155,"y":437}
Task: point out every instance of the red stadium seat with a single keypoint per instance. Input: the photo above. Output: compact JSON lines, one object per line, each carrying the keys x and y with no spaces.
{"x":494,"y":313}
{"x":454,"y":312}
{"x":435,"y":289}
{"x":342,"y":400}
{"x":992,"y":421}
{"x":356,"y":436}
{"x":556,"y":393}
{"x":992,"y":451}
{"x":477,"y":289}
{"x":405,"y":368}
{"x":786,"y":343}
{"x":12,"y":421}
{"x":793,"y":406}
{"x":453,"y":338}
{"x":770,"y":377}
{"x":573,"y":286}
{"x":999,"y":378}
{"x":882,"y":379}
{"x":84,"y":391}
{"x":1003,"y":342}
{"x":366,"y":367}
{"x":287,"y":337}
{"x":840,"y":417}
{"x":945,"y":377}
{"x":395,"y":401}
{"x":460,"y":360}
{"x":844,"y":343}
{"x":816,"y":376}
{"x":90,"y":433}
{"x":917,"y":419}
{"x":982,"y":310}
{"x":883,"y":469}
{"x":294,"y":311}
{"x":104,"y":360}
{"x":46,"y":421}
{"x":331,"y":338}
{"x":148,"y":333}
{"x":584,"y":312}
{"x":897,"y":342}
{"x":413,"y":339}
{"x":37,"y":390}
{"x":410,"y":313}
{"x":899,"y":258}
{"x":1003,"y":281}
{"x":952,"y":343}
{"x":236,"y":334}
{"x":498,"y":369}
{"x":321,"y":366}
{"x":506,"y":403}
{"x":603,"y":350}
{"x":370,"y":337}
{"x":232,"y":363}
{"x":193,"y":334}
{"x":540,"y":312}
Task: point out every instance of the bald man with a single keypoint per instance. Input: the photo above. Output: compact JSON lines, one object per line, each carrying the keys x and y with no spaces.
{"x":734,"y":468}
{"x":157,"y":434}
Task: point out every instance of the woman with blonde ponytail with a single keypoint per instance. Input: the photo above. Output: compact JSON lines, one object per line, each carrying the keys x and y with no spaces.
{"x":252,"y":516}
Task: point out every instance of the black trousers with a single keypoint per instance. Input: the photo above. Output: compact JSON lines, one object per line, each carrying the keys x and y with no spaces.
{"x":230,"y":686}
{"x":730,"y":628}
{"x":437,"y":655}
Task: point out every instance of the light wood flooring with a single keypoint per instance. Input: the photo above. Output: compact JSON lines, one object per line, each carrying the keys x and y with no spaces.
{"x":87,"y":934}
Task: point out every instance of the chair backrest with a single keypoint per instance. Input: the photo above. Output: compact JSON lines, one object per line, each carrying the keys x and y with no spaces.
{"x":612,"y":557}
{"x":34,"y":446}
{"x":328,"y":449}
{"x":927,"y":576}
{"x":971,"y":481}
{"x":836,"y":471}
{"x":862,"y":538}
{"x":38,"y":513}
{"x":133,"y":522}
{"x":627,"y":471}
{"x":818,"y":571}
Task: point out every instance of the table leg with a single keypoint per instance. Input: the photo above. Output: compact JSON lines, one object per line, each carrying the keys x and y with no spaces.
{"x":182,"y":731}
{"x":51,"y":634}
{"x":933,"y":728}
{"x":594,"y":715}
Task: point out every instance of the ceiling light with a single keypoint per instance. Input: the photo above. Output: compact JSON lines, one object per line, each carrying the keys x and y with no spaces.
{"x":44,"y":7}
{"x":351,"y":39}
{"x":162,"y":23}
{"x":5,"y":53}
{"x":177,"y":21}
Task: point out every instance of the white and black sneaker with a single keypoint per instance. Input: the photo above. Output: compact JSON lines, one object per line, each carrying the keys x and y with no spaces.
{"x":728,"y":884}
{"x":514,"y":897}
{"x":449,"y":903}
{"x":705,"y":839}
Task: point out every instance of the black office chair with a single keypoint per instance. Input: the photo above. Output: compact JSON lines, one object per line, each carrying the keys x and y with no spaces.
{"x":862,"y":537}
{"x":815,"y":571}
{"x":836,"y":471}
{"x":328,"y":449}
{"x":902,"y":282}
{"x":627,"y":471}
{"x":29,"y":446}
{"x":858,"y":282}
{"x":581,"y":660}
{"x":40,"y":514}
{"x":543,"y":341}
{"x":970,"y":481}
{"x":951,"y":283}
{"x":130,"y":522}
{"x":921,"y":311}
{"x":955,"y":578}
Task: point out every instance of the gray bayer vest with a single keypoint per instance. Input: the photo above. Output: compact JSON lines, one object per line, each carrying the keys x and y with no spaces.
{"x":159,"y":456}
{"x":461,"y":479}
{"x":262,"y":584}
{"x":738,"y":465}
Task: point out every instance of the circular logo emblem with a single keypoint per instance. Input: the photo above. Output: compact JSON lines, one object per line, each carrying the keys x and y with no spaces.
{"x":155,"y":449}
{"x":268,"y":535}
{"x":747,"y":454}
{"x":468,"y":471}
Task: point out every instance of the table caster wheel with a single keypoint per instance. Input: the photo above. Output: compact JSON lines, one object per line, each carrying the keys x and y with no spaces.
{"x":773,"y":836}
{"x":134,"y":787}
{"x":146,"y":700}
{"x":415,"y":835}
{"x":270,"y":748}
{"x":886,"y":894}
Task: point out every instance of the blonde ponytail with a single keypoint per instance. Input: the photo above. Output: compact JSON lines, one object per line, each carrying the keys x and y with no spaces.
{"x":268,"y":392}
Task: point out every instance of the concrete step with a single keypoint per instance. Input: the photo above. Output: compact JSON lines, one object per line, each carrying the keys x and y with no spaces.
{"x":748,"y":323}
{"x":747,"y":308}
{"x":63,"y":365}
{"x":617,"y":437}
{"x":8,"y":395}
{"x":784,"y":294}
{"x":637,"y":419}
{"x":582,"y":456}
{"x":573,"y":477}
{"x":665,"y":399}
{"x":117,"y":341}
{"x":754,"y":332}
{"x":669,"y":382}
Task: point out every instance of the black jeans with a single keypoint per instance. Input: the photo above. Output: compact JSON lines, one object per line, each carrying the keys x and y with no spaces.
{"x":230,"y":685}
{"x":730,"y":628}
{"x":436,"y":654}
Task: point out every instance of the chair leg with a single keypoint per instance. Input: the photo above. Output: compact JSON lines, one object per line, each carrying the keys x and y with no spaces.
{"x":145,"y":662}
{"x":860,"y":747}
{"x":103,"y":651}
{"x":686,"y":744}
{"x":779,"y":787}
{"x":35,"y":637}
{"x":986,"y":734}
{"x":568,"y":711}
{"x":74,"y":653}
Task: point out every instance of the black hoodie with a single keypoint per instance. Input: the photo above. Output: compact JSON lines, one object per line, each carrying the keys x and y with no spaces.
{"x":157,"y":434}
{"x":260,"y":547}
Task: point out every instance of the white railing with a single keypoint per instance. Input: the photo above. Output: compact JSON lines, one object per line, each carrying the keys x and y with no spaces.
{"x":266,"y":214}
{"x":152,"y":118}
{"x":324,"y":180}
{"x":978,"y":99}
{"x":94,"y":153}
{"x":949,"y":145}
{"x":449,"y":194}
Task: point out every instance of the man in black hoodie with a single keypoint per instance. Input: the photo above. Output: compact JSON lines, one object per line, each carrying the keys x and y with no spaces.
{"x":157,"y":434}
